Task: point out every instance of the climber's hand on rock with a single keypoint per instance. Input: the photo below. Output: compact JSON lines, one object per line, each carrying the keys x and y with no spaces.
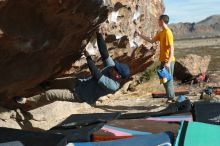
{"x":86,"y":53}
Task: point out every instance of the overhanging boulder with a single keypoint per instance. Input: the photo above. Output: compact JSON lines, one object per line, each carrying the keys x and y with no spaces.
{"x":41,"y":38}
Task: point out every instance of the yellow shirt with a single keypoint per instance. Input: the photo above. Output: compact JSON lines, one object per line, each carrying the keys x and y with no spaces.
{"x":166,"y":40}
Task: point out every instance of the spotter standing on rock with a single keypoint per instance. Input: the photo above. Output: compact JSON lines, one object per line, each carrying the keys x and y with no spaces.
{"x":167,"y":59}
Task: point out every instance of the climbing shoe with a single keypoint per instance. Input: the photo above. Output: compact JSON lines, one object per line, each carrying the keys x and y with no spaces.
{"x":20,"y":100}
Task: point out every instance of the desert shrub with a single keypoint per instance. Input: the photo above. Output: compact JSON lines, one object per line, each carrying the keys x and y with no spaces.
{"x":149,"y":72}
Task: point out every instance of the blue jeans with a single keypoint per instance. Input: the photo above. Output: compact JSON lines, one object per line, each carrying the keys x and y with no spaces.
{"x":169,"y":87}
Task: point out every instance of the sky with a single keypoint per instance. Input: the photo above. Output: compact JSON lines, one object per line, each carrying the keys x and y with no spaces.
{"x":191,"y":10}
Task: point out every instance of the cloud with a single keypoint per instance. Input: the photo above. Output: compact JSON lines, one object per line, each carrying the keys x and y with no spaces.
{"x":191,"y":10}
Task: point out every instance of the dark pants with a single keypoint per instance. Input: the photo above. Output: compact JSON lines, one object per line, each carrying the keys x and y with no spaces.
{"x":61,"y":89}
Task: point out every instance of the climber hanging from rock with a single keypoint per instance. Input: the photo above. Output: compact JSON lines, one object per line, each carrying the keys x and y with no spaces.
{"x":89,"y":89}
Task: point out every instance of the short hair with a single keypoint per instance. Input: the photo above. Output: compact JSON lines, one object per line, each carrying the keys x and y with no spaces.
{"x":165,"y":18}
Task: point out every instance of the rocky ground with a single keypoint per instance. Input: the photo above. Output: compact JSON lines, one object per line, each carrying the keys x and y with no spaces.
{"x":139,"y":100}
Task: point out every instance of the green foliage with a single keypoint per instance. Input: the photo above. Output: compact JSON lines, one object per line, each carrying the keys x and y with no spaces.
{"x":148,"y":73}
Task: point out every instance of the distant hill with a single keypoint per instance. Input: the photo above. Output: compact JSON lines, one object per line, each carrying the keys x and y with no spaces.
{"x":210,"y":27}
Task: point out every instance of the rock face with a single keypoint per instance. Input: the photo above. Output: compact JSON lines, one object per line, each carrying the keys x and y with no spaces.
{"x":41,"y":39}
{"x":210,"y":27}
{"x":125,"y":17}
{"x":128,"y":16}
{"x":133,"y":15}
